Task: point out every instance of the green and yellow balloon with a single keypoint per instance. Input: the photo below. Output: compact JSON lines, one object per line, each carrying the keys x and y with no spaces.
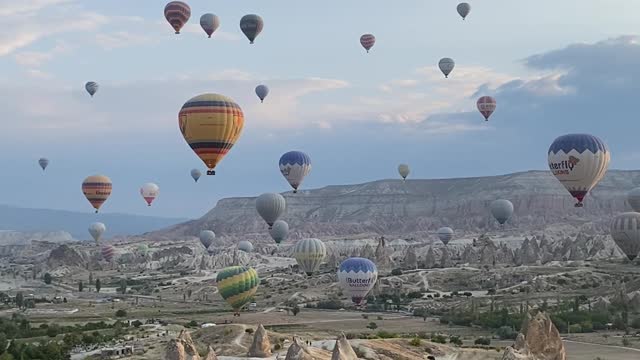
{"x":237,"y":285}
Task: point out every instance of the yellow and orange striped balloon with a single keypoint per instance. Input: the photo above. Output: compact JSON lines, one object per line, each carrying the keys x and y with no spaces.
{"x":97,"y":189}
{"x":211,"y":124}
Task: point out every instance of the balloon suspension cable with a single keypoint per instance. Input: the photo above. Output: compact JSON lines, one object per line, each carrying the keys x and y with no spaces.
{"x":261,"y":101}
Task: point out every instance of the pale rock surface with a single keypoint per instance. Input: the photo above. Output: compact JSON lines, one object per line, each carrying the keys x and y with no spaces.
{"x":211,"y":354}
{"x":298,"y":351}
{"x":182,"y":348}
{"x":538,"y":340}
{"x":261,"y":346}
{"x":343,"y":349}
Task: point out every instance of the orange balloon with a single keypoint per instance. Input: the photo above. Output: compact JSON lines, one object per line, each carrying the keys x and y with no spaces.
{"x":97,"y":189}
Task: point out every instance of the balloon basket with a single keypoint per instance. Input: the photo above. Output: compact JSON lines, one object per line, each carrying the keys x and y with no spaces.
{"x":211,"y":172}
{"x":579,"y":205}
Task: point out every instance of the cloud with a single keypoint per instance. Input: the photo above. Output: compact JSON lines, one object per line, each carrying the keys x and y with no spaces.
{"x":121,"y":39}
{"x":15,"y":8}
{"x":38,"y":58}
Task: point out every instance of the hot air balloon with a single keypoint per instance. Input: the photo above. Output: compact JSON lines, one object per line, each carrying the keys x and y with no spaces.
{"x":309,"y":254}
{"x":91,"y":87}
{"x":207,"y":237}
{"x":446,"y":66}
{"x":367,"y":41}
{"x":96,"y":189}
{"x":149,"y":192}
{"x":295,"y":166}
{"x":251,"y":25}
{"x":209,"y":23}
{"x":245,"y":246}
{"x":403,"y":170}
{"x":357,"y":276}
{"x":625,"y":231}
{"x":143,"y":249}
{"x":270,"y":207}
{"x":579,"y":162}
{"x":108,"y":252}
{"x":279,"y":231}
{"x":177,"y":14}
{"x":237,"y":286}
{"x":96,"y":230}
{"x":502,"y":210}
{"x":633,"y":198}
{"x":464,"y":9}
{"x":486,"y":105}
{"x":195,"y":174}
{"x":262,"y":91}
{"x":211,"y":124}
{"x":44,"y":162}
{"x":445,"y":234}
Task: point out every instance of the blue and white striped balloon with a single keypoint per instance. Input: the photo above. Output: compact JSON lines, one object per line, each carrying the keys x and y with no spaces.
{"x":295,"y":166}
{"x":357,"y":276}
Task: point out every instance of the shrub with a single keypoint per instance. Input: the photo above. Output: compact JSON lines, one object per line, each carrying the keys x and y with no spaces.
{"x":248,"y":330}
{"x":415,"y":341}
{"x":365,"y":316}
{"x":121,"y":313}
{"x":455,"y":340}
{"x":506,"y":333}
{"x":277,"y":347}
{"x":386,"y":335}
{"x":482,"y":341}
{"x":396,"y":272}
{"x":380,"y":317}
{"x":372,"y":326}
{"x":192,"y":323}
{"x":437,"y":338}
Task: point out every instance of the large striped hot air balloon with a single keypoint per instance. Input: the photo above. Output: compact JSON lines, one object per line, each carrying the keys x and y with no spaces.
{"x":209,"y":23}
{"x":367,"y":41}
{"x":211,"y":124}
{"x":625,"y":231}
{"x":579,"y":162}
{"x":309,"y":253}
{"x":108,"y":252}
{"x":97,"y":189}
{"x":237,"y":286}
{"x":446,"y":65}
{"x":177,"y":14}
{"x":357,"y":276}
{"x":463,"y":9}
{"x":486,"y":105}
{"x":295,"y":166}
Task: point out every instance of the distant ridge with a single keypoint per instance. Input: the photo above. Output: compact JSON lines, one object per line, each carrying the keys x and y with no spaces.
{"x":76,"y":223}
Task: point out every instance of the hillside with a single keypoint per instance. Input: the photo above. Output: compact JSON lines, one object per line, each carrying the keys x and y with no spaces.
{"x":419,"y":207}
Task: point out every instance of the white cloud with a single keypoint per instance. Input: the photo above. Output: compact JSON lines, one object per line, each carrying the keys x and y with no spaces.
{"x":121,"y":39}
{"x":38,"y":58}
{"x":14,"y":8}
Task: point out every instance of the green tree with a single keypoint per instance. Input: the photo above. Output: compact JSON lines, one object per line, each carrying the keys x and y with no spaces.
{"x":3,"y":342}
{"x":80,"y":286}
{"x":20,"y":300}
{"x":372,"y":326}
{"x":47,"y":278}
{"x":90,"y":278}
{"x":98,"y":285}
{"x":121,"y":313}
{"x":295,"y":310}
{"x":123,"y":286}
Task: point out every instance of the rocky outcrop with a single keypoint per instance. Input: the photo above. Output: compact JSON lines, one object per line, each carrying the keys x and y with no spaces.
{"x":65,"y":255}
{"x":298,"y":351}
{"x":538,"y":340}
{"x":182,"y":348}
{"x":261,"y":346}
{"x":343,"y":350}
{"x":211,"y":354}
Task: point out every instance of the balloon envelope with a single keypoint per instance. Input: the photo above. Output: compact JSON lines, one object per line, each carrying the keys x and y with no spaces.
{"x":149,"y":192}
{"x":464,"y":9}
{"x":579,"y":162}
{"x":245,"y":246}
{"x":97,"y":189}
{"x":209,"y":23}
{"x":143,"y":249}
{"x":207,"y":237}
{"x":625,"y":231}
{"x":108,"y":252}
{"x":195,"y":174}
{"x":633,"y":198}
{"x":446,"y":65}
{"x":270,"y":207}
{"x":251,"y":25}
{"x":445,"y":234}
{"x":91,"y":87}
{"x":211,"y":124}
{"x":403,"y":170}
{"x":177,"y":14}
{"x":237,"y":285}
{"x":279,"y":231}
{"x":367,"y":41}
{"x":262,"y":91}
{"x":502,"y":210}
{"x":357,"y":276}
{"x":96,"y":230}
{"x":486,"y":105}
{"x":44,"y":162}
{"x":295,"y":166}
{"x":309,"y":253}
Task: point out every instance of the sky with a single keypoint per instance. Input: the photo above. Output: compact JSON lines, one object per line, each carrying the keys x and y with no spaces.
{"x":554,"y":67}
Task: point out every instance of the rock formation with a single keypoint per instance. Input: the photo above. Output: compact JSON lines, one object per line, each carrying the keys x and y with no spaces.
{"x":343,"y":350}
{"x":261,"y":346}
{"x":211,"y":354}
{"x":298,"y":351}
{"x":538,"y":340}
{"x":182,"y":348}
